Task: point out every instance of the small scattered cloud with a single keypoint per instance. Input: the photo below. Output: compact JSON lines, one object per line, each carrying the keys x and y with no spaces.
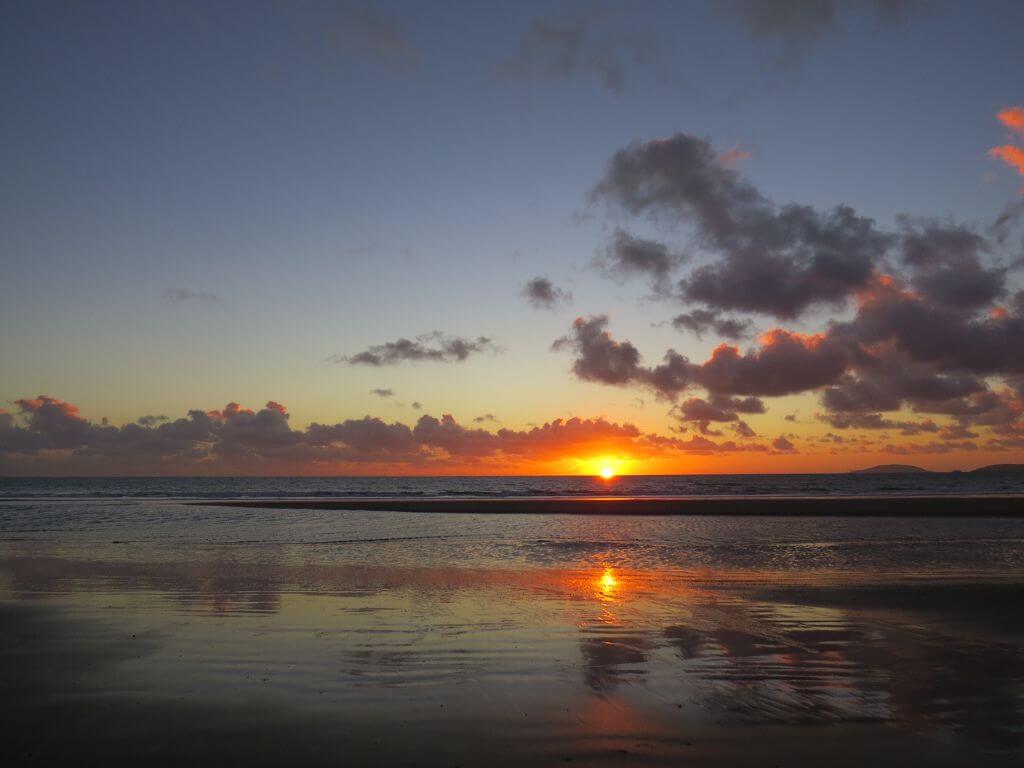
{"x":541,"y":293}
{"x":434,"y":347}
{"x":1012,"y":153}
{"x":796,"y":27}
{"x":782,"y":444}
{"x":382,"y":392}
{"x":627,"y":256}
{"x":700,"y":321}
{"x":365,"y":31}
{"x":186,"y":295}
{"x":589,"y":44}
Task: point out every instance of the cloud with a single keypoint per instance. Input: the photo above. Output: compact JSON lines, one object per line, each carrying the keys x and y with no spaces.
{"x":784,"y":363}
{"x":588,"y":44}
{"x":433,"y":347}
{"x":627,"y":256}
{"x":718,"y":408}
{"x":1009,"y":153}
{"x":782,"y":445}
{"x":1012,"y":118}
{"x":368,"y":32}
{"x":601,"y":359}
{"x":700,"y":321}
{"x":945,"y":265}
{"x":382,"y":392}
{"x":48,"y":435}
{"x":877,"y":421}
{"x":543,"y":294}
{"x":183,"y":295}
{"x":487,"y":417}
{"x":937,"y":321}
{"x":416,"y":405}
{"x":937,"y":335}
{"x":796,"y":27}
{"x":774,"y":260}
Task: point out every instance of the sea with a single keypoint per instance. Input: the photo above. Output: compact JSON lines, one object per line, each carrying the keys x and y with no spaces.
{"x":845,"y":484}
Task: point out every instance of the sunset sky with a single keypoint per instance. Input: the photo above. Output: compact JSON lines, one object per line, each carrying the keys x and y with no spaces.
{"x":476,"y":238}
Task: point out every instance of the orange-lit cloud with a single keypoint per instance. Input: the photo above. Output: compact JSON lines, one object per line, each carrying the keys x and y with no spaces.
{"x":1013,"y":118}
{"x":1011,"y":154}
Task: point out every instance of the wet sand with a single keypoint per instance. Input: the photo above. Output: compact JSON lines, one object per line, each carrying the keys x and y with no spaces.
{"x":859,"y":506}
{"x":162,"y":634}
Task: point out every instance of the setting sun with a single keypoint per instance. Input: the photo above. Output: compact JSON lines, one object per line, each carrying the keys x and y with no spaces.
{"x":607,"y":473}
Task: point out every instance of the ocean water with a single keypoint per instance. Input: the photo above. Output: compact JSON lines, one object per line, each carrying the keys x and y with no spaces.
{"x":932,"y":483}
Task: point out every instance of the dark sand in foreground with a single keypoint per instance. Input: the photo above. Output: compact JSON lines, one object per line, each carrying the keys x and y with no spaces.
{"x":159,"y":634}
{"x":184,"y":664}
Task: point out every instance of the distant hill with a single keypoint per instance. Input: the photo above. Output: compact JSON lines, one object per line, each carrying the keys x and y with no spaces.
{"x":998,"y":469}
{"x":889,"y":469}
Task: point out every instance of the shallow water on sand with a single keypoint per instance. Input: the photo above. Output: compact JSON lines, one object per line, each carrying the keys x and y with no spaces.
{"x":159,"y":632}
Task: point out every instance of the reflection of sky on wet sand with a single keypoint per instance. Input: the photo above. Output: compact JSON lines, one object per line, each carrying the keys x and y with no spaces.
{"x":599,"y":660}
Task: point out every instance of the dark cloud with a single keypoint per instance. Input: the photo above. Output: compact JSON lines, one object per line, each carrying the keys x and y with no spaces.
{"x":795,"y":27}
{"x":417,"y":405}
{"x":784,"y":363}
{"x":627,"y":256}
{"x":945,"y":265}
{"x":718,"y":408}
{"x":775,"y":260}
{"x":382,"y":392}
{"x":742,"y":429}
{"x":877,"y":421}
{"x":367,"y":32}
{"x":487,"y":417}
{"x":183,"y":295}
{"x":700,"y":321}
{"x":937,"y":319}
{"x":434,"y":347}
{"x":589,"y":44}
{"x":600,"y":358}
{"x":781,"y":444}
{"x":544,"y":294}
{"x":934,"y":351}
{"x":939,"y":336}
{"x":151,"y":420}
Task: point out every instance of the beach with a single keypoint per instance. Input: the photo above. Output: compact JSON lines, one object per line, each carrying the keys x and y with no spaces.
{"x":160,"y":631}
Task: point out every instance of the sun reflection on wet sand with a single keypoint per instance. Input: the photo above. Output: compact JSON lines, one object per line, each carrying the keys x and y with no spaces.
{"x":607,"y":584}
{"x":624,"y":662}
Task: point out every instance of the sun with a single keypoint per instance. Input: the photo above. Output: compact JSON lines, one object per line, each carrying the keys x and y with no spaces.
{"x":607,"y":472}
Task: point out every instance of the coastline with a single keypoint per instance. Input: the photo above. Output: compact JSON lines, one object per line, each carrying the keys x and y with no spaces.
{"x":770,"y":506}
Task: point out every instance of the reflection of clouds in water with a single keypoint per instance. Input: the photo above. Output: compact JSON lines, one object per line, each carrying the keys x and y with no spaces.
{"x":611,"y":659}
{"x":924,"y":661}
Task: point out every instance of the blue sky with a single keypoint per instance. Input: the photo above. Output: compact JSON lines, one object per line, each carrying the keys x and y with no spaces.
{"x":334,"y":189}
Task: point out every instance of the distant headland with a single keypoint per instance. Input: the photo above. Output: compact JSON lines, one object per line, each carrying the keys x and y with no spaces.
{"x":906,"y":469}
